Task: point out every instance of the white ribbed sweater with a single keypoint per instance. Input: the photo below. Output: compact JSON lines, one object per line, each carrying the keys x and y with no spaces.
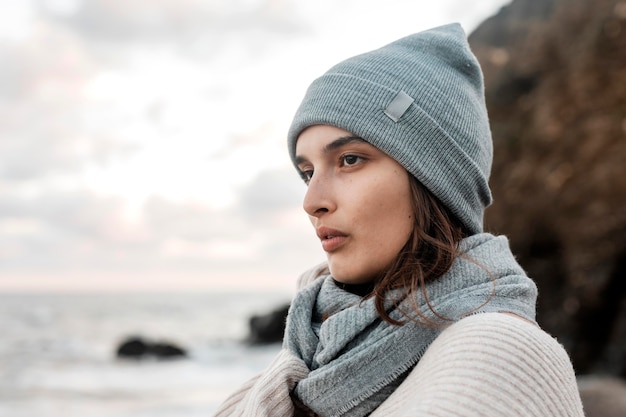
{"x":487,"y":365}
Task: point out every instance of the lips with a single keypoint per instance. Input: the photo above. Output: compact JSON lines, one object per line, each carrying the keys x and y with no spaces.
{"x":332,"y":239}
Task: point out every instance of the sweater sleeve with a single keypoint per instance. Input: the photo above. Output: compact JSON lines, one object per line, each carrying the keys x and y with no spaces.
{"x":267,"y":395}
{"x":489,"y":365}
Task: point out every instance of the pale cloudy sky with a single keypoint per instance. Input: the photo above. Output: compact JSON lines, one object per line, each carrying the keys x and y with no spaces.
{"x":142,"y":142}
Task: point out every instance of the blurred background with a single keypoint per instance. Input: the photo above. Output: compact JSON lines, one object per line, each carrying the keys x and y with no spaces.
{"x":143,"y":142}
{"x":146,"y":190}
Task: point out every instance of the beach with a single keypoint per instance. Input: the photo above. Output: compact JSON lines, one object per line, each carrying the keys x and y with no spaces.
{"x":57,"y":356}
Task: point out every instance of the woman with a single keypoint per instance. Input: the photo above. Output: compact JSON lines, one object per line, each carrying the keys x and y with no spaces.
{"x":417,"y":312}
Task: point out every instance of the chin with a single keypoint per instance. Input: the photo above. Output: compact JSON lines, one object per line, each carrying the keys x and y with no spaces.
{"x":349,"y":275}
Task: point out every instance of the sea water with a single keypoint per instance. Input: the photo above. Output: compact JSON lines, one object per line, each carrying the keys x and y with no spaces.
{"x":57,"y":352}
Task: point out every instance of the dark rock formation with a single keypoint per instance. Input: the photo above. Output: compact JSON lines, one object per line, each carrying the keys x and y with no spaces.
{"x":268,"y":328}
{"x":555,"y":76}
{"x":138,"y":348}
{"x":133,"y":347}
{"x":166,"y":351}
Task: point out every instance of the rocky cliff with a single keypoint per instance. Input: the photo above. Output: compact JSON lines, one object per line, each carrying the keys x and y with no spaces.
{"x":555,"y":75}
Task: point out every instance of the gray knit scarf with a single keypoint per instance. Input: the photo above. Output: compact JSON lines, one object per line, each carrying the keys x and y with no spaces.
{"x":356,"y":359}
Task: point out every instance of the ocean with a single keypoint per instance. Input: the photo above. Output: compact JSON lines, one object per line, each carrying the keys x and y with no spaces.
{"x":57,"y":353}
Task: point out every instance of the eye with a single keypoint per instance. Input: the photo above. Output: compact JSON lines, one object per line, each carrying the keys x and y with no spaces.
{"x":350,"y":160}
{"x":306,"y":176}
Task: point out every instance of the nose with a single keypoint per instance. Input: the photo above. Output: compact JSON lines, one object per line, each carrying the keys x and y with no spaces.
{"x":318,"y":199}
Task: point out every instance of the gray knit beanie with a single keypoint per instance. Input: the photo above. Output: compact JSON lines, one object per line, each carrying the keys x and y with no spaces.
{"x":421,"y":101}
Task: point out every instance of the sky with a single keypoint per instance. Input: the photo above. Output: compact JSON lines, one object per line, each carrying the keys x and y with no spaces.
{"x":142,"y":142}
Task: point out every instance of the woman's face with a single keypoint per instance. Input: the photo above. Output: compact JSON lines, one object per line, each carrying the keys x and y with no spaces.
{"x":358,"y":200}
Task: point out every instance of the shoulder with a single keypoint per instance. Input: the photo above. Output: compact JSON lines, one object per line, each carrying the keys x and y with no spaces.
{"x":312,"y":274}
{"x":505,"y":332}
{"x":490,"y":364}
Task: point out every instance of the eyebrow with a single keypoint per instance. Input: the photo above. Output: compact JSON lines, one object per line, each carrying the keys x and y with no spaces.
{"x":334,"y":145}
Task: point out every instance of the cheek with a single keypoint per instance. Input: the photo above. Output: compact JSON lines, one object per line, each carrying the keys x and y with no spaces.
{"x":397,"y":227}
{"x":391,"y":215}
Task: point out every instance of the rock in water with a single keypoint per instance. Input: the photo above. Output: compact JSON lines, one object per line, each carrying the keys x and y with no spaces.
{"x":268,"y":328}
{"x":137,"y":348}
{"x":166,"y":351}
{"x":133,"y":347}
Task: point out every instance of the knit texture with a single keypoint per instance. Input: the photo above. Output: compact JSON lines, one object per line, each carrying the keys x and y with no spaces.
{"x":485,"y":365}
{"x":357,"y":359}
{"x":442,"y":136}
{"x":489,"y":365}
{"x":267,"y":395}
{"x":343,"y":360}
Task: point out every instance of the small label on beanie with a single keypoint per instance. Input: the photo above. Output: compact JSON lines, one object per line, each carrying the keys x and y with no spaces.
{"x":398,"y":106}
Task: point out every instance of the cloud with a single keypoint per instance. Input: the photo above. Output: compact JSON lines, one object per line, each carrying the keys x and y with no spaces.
{"x":190,"y":221}
{"x":146,"y":20}
{"x":47,"y":126}
{"x":48,"y":138}
{"x":60,"y":230}
{"x":65,"y":231}
{"x":146,"y":138}
{"x":270,"y":194}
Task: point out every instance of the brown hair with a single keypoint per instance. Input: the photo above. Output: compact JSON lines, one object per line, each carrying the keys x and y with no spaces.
{"x":426,"y":256}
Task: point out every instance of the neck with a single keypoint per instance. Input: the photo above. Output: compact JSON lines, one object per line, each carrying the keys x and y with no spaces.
{"x":356,"y":289}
